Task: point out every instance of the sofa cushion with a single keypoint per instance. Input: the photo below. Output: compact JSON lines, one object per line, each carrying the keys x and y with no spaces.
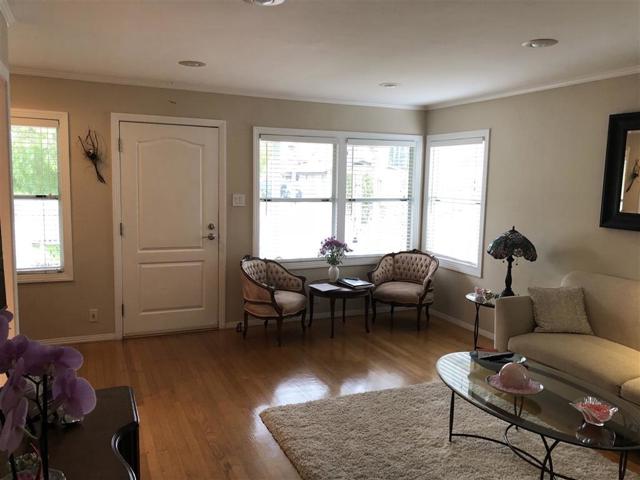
{"x":631,"y":390}
{"x":593,"y":359}
{"x":290,"y":302}
{"x":401,"y":292}
{"x":559,"y":310}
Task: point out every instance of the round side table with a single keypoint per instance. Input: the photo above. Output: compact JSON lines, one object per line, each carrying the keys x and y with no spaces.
{"x":478,"y":303}
{"x":339,"y":292}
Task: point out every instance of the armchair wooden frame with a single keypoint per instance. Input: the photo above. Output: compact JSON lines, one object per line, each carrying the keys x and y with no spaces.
{"x":266,"y":296}
{"x":427,"y":283}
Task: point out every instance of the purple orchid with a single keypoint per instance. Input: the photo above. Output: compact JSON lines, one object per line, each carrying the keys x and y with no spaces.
{"x":11,"y":351}
{"x":5,"y":318}
{"x":13,"y":428}
{"x":75,"y":395}
{"x":15,"y":388}
{"x":43,"y":359}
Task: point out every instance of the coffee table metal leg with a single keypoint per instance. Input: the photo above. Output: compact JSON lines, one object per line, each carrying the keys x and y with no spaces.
{"x":548,"y":459}
{"x":332,"y":302}
{"x":366,"y":313}
{"x":622,"y":466}
{"x":451,"y":412}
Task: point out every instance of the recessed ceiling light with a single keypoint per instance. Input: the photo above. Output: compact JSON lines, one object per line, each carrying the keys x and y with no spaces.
{"x":265,"y":3}
{"x":191,"y":63}
{"x":389,"y":84}
{"x":540,"y":43}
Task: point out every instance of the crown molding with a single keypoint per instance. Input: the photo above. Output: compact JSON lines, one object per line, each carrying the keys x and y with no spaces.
{"x":88,"y":77}
{"x":621,"y":72}
{"x":5,"y":9}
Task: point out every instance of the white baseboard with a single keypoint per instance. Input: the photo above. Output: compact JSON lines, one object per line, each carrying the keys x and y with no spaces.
{"x":462,"y":323}
{"x":101,"y":337}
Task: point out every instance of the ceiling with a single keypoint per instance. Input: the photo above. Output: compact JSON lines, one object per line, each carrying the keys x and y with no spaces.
{"x":329,"y":50}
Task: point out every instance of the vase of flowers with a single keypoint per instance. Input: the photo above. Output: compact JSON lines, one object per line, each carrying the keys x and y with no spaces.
{"x":333,"y":251}
{"x":42,"y":388}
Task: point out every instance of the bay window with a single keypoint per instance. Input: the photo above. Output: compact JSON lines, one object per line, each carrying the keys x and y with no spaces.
{"x":455,"y":193}
{"x":361,"y":188}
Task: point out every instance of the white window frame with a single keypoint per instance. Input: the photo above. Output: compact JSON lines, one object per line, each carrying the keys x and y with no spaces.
{"x":340,"y":139}
{"x":65,"y":274}
{"x":449,"y":138}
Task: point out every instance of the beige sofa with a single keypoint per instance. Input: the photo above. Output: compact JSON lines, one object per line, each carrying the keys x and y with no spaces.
{"x":609,"y":359}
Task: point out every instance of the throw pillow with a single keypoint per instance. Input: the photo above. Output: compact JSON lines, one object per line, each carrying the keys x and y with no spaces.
{"x":560,"y":310}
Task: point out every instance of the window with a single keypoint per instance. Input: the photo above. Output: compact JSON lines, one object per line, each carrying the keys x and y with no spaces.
{"x":314,"y":184}
{"x":42,"y":216}
{"x":455,"y":189}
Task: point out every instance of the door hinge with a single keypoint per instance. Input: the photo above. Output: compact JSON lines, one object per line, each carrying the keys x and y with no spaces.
{"x":123,"y":309}
{"x":119,"y":144}
{"x":121,"y":229}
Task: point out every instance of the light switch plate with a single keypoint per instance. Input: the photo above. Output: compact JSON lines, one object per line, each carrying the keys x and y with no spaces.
{"x":239,"y":200}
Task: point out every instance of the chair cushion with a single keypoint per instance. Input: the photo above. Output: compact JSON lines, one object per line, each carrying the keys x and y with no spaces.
{"x":631,"y":390}
{"x":401,"y":292}
{"x":590,"y":358}
{"x":290,"y":303}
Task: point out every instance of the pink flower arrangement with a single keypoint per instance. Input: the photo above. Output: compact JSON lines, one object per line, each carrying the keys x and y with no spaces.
{"x":333,"y":250}
{"x":31,"y":368}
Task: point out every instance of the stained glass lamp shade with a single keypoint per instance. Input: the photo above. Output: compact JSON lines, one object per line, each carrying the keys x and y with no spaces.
{"x":507,"y":246}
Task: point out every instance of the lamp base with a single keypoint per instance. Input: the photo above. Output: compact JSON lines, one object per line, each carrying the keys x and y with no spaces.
{"x":507,"y":292}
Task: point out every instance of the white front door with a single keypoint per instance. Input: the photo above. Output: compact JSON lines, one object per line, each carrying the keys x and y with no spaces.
{"x":169,"y":200}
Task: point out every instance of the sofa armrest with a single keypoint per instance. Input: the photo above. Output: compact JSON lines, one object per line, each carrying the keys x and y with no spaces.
{"x":514,"y":316}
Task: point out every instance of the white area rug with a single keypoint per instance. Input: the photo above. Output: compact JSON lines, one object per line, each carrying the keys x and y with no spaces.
{"x":402,"y":434}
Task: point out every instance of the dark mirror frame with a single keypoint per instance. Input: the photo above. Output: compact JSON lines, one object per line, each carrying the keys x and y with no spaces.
{"x":610,"y":215}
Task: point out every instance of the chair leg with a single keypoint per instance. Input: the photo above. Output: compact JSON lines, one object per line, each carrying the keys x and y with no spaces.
{"x":246,"y":325}
{"x":279,"y":331}
{"x":266,"y":322}
{"x":302,"y":320}
{"x":373,"y":308}
{"x":419,"y":315}
{"x":428,"y":318}
{"x":392,"y":309}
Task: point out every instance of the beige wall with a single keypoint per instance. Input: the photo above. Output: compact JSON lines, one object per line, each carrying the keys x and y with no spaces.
{"x":545,"y":177}
{"x":61,"y":309}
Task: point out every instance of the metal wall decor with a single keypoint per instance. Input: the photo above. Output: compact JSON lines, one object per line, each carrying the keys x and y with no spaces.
{"x":91,"y":148}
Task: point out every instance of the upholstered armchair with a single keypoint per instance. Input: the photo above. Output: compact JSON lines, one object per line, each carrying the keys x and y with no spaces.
{"x":271,"y":292}
{"x":404,"y":279}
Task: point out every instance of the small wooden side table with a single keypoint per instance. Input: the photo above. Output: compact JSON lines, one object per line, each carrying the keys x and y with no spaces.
{"x":478,"y":303}
{"x":341,"y":292}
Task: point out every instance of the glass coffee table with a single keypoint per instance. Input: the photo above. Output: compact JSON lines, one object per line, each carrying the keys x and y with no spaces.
{"x":547,"y":414}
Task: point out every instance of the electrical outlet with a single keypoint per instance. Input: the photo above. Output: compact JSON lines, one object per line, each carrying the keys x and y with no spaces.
{"x":93,"y":315}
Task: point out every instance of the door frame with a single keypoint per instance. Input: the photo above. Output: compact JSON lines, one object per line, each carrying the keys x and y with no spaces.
{"x":221,"y":125}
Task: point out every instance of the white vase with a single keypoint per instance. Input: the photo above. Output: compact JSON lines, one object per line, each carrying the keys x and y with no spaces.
{"x":334,"y":273}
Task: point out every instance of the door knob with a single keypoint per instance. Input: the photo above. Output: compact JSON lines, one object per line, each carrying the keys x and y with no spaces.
{"x":211,"y":236}
{"x":211,"y":226}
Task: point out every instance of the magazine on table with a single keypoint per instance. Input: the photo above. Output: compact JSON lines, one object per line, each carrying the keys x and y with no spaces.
{"x":355,"y":283}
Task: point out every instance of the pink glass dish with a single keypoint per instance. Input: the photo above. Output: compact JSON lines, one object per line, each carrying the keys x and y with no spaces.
{"x":595,"y":411}
{"x":531,"y":389}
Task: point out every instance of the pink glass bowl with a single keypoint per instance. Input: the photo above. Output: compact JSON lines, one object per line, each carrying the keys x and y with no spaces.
{"x":595,"y":411}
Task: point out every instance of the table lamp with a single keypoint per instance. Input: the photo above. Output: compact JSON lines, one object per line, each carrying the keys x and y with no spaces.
{"x":508,"y":245}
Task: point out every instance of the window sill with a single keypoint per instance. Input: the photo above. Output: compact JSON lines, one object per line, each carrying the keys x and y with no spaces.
{"x":465,"y":268}
{"x":302,"y":264}
{"x":43,"y":277}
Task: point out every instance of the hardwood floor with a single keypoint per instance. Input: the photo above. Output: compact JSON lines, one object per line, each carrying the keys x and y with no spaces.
{"x":199,"y":395}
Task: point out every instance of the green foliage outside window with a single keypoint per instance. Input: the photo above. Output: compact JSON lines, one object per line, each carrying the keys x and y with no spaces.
{"x":34,"y":157}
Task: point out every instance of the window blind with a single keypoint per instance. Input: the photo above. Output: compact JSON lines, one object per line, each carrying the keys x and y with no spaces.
{"x":454,"y":197}
{"x":379,"y":190}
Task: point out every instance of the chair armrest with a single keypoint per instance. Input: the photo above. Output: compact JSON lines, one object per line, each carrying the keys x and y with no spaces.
{"x":514,"y":316}
{"x":383,"y":272}
{"x":283,"y":279}
{"x":253,"y":291}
